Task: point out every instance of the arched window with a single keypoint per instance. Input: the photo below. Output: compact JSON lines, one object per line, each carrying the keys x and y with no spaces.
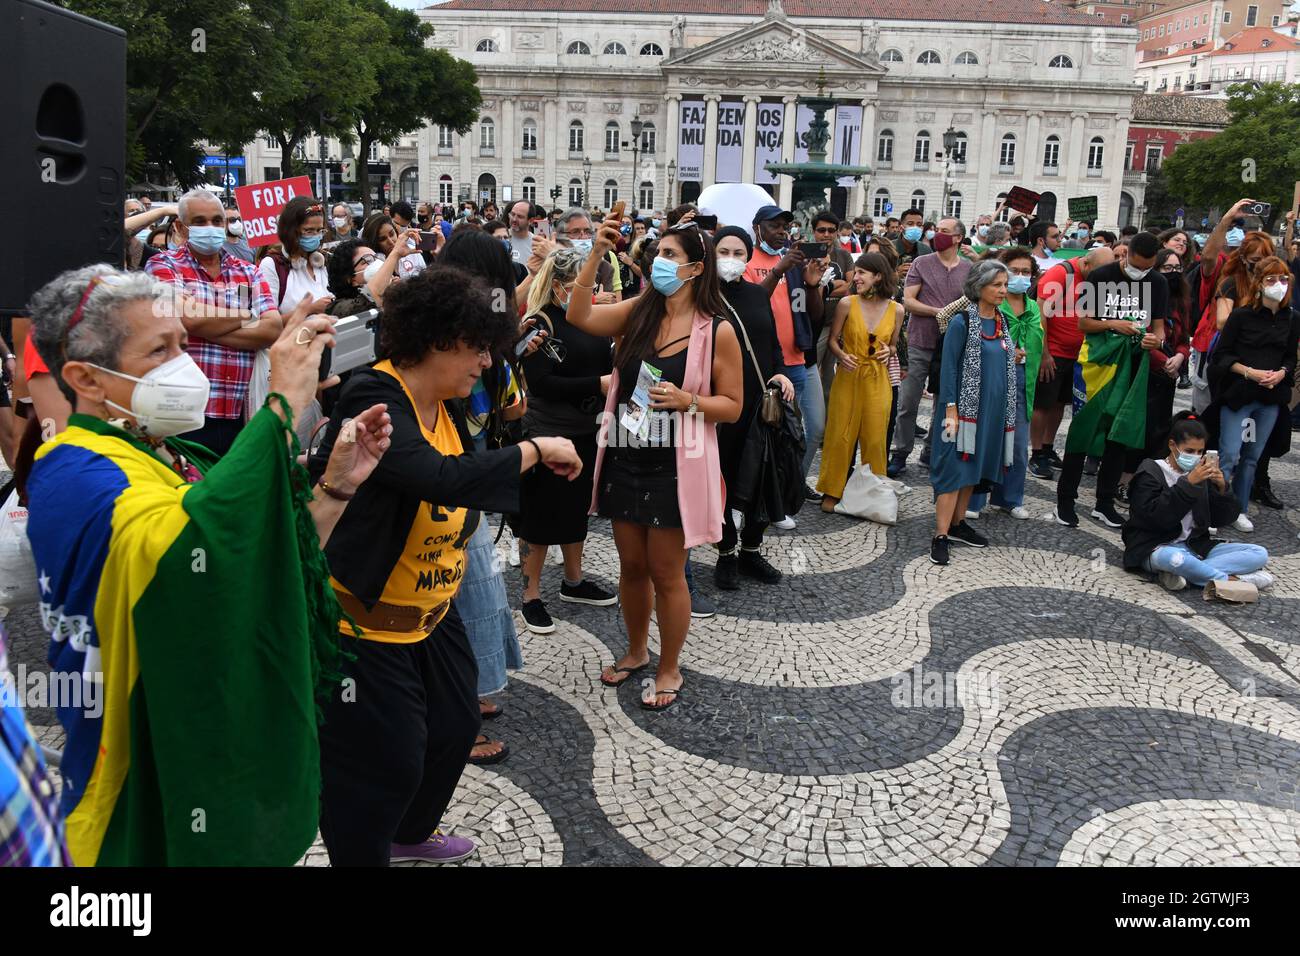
{"x":885,"y":148}
{"x":892,"y":56}
{"x":486,"y":46}
{"x":530,"y":189}
{"x":611,"y":193}
{"x":918,"y":200}
{"x":1051,"y":155}
{"x":487,"y":188}
{"x":614,"y":49}
{"x":446,"y":189}
{"x":1061,"y":62}
{"x":954,"y":205}
{"x":967,"y":59}
{"x":651,"y":49}
{"x":929,"y":58}
{"x":578,"y":48}
{"x":1007,"y":155}
{"x":575,"y":192}
{"x":921,"y":151}
{"x":575,"y":140}
{"x":529,"y":138}
{"x":611,"y":140}
{"x":487,"y":136}
{"x":879,"y":204}
{"x":647,"y":198}
{"x":649,"y":140}
{"x":408,"y":184}
{"x":1096,"y":153}
{"x":958,"y":156}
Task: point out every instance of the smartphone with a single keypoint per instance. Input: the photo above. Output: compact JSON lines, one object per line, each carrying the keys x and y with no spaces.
{"x":1212,"y":457}
{"x":617,"y":209}
{"x":523,"y":343}
{"x":707,"y":222}
{"x":813,"y":250}
{"x":354,"y":344}
{"x":1261,"y":209}
{"x":429,"y":240}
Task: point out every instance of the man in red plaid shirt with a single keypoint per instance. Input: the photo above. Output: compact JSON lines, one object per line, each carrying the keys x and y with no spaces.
{"x":227,"y":309}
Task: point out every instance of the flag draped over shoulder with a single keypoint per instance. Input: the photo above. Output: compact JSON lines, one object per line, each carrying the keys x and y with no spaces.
{"x":202,"y":614}
{"x":1110,"y":394}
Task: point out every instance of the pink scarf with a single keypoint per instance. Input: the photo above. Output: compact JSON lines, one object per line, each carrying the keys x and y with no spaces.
{"x":699,"y":469}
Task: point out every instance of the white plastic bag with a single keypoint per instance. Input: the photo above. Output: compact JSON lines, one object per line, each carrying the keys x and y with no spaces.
{"x":869,"y":496}
{"x":17,"y":566}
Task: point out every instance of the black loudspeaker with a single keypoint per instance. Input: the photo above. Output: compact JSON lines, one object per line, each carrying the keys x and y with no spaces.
{"x":63,"y":146}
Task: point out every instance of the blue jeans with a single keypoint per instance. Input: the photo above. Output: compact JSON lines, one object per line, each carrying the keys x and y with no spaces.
{"x":485,"y":611}
{"x":1239,"y":458}
{"x":1223,"y":560}
{"x":812,"y":405}
{"x":1010,"y":492}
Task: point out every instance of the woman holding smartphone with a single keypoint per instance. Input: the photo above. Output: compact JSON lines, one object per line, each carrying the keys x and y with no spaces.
{"x":663,"y":492}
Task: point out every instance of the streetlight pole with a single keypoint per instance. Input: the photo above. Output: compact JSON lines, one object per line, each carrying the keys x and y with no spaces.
{"x":586,"y":183}
{"x":949,"y":144}
{"x":637,"y":127}
{"x":672,"y":174}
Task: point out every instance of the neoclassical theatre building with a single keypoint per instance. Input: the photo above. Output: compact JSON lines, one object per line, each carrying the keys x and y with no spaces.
{"x":1031,"y":93}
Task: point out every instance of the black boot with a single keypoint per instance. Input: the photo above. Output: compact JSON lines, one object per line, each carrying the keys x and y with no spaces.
{"x":1263,"y":493}
{"x":727,"y":574}
{"x":753,"y":564}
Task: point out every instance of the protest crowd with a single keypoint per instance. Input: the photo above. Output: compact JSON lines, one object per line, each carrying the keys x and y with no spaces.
{"x":223,"y":521}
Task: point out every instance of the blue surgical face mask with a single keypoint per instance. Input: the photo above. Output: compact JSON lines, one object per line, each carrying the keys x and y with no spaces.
{"x":1081,"y":233}
{"x":768,"y":249}
{"x":583,"y":246}
{"x":143,"y":234}
{"x":912,"y":233}
{"x":655,"y":223}
{"x":1187,"y":460}
{"x":983,"y":231}
{"x":663,"y":276}
{"x":1018,"y":284}
{"x":1234,"y":237}
{"x":309,"y":243}
{"x":929,"y":234}
{"x":207,"y":239}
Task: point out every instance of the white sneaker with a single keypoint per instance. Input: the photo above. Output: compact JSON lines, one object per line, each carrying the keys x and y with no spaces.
{"x":785,"y":524}
{"x":1261,"y":579}
{"x":737,"y":519}
{"x":1172,"y":582}
{"x":972,"y":515}
{"x":513,"y":557}
{"x":1020,"y":512}
{"x":557,"y":556}
{"x":1244,"y":524}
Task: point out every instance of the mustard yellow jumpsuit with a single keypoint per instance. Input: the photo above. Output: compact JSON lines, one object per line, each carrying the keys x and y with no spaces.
{"x":858,"y":410}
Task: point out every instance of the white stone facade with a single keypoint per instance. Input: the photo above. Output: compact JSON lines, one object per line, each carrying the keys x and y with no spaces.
{"x":991,"y":81}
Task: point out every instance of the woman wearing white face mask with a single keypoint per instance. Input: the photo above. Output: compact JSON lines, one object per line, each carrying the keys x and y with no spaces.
{"x":761,"y":359}
{"x":202,"y":586}
{"x":356,"y":278}
{"x":1252,"y":372}
{"x":1174,"y":502}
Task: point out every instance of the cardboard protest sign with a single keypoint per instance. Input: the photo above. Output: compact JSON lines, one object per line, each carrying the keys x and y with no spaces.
{"x":260,"y":205}
{"x":1022,"y":200}
{"x":1083,"y":209}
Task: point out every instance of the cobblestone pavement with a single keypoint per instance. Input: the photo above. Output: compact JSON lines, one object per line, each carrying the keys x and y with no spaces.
{"x":1029,"y":704}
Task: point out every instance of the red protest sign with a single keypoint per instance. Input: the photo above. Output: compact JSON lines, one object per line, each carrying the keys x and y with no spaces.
{"x":260,"y":205}
{"x":1021,"y":199}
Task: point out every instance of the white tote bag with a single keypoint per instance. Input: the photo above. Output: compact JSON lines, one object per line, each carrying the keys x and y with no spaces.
{"x":17,"y":566}
{"x":869,"y":496}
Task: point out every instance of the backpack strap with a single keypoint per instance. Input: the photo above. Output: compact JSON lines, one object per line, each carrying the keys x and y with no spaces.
{"x":282,"y":268}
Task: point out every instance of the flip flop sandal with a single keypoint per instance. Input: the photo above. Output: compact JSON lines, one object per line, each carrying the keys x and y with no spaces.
{"x":676,"y":692}
{"x":490,"y":758}
{"x":629,"y":671}
{"x":492,"y":714}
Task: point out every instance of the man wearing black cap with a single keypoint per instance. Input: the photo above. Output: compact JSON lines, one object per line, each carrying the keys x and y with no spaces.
{"x":793,"y":283}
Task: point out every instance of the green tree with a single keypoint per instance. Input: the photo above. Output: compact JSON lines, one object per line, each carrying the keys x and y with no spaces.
{"x":417,"y":84}
{"x":327,"y":77}
{"x":192,"y":66}
{"x":1256,"y":156}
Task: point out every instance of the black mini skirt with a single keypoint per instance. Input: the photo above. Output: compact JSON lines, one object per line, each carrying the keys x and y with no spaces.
{"x":640,"y":486}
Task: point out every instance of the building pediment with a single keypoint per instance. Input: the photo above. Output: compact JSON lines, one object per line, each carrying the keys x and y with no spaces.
{"x":771,"y":45}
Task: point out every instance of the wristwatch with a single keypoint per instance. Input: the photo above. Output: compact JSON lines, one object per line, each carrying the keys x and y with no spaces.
{"x":694,"y":406}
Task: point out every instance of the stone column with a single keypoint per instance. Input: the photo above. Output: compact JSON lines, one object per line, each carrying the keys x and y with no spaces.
{"x":1034,"y":149}
{"x":673,"y":103}
{"x":861,"y":200}
{"x":465,"y":146}
{"x":710,"y":172}
{"x":986,"y":148}
{"x":1108,"y":205}
{"x":750,"y":139}
{"x":1074,"y":171}
{"x":506,"y":145}
{"x":785,"y":188}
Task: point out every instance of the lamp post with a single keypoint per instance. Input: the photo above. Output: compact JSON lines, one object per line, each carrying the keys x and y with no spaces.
{"x":949,"y":144}
{"x":586,"y":182}
{"x":672,"y":174}
{"x":637,"y":127}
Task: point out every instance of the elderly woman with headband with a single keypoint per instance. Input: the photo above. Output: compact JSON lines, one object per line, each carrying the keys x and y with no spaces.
{"x":191,"y":591}
{"x":975,"y":412}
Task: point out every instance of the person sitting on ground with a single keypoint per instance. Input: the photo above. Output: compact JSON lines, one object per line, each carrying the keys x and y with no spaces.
{"x":1174,"y":502}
